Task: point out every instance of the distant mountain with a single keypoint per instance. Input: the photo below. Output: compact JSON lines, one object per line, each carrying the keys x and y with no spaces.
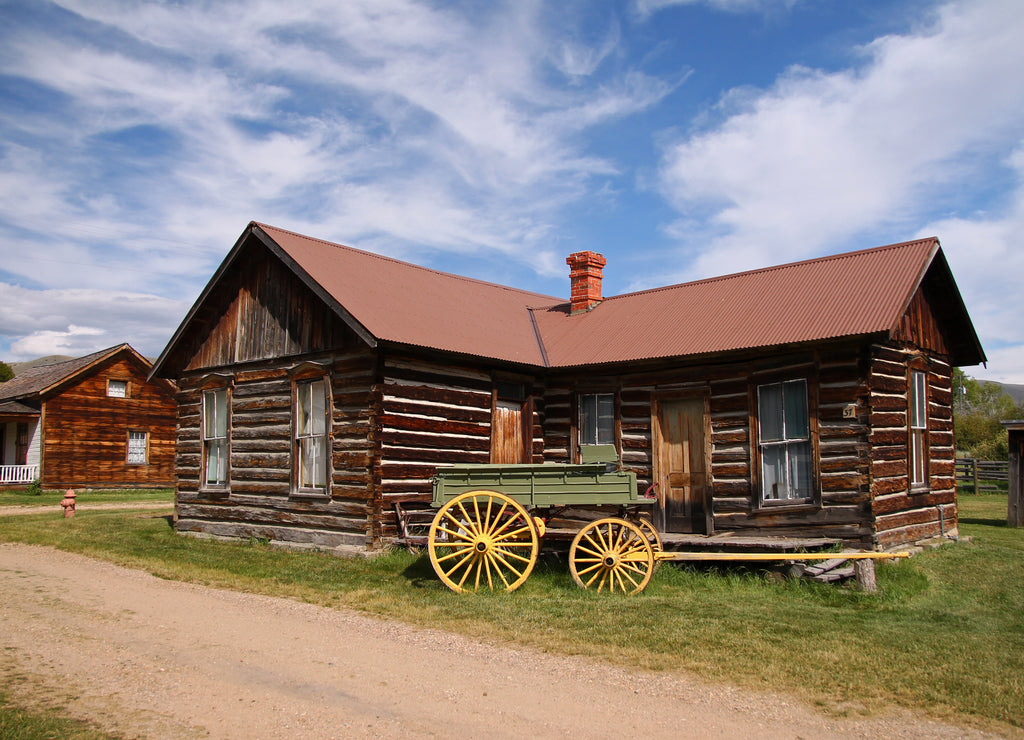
{"x":20,"y":367}
{"x":1016,"y":391}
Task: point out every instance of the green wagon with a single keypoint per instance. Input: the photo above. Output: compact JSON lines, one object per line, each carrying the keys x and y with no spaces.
{"x":491,"y":520}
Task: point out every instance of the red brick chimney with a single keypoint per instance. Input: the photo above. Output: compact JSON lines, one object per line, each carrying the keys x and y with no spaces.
{"x":585,"y":276}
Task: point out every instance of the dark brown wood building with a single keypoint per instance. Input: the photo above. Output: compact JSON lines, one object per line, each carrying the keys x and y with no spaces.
{"x":319,"y":385}
{"x":95,"y":422}
{"x":1015,"y":498}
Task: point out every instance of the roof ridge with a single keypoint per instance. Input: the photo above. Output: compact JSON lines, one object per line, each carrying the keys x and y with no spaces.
{"x":395,"y":260}
{"x":777,"y":268}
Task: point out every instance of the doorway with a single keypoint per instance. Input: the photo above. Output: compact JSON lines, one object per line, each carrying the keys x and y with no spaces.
{"x":510,"y":440}
{"x":679,"y":443}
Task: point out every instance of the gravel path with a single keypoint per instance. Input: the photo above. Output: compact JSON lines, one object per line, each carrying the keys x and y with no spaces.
{"x":153,"y":658}
{"x":107,"y":506}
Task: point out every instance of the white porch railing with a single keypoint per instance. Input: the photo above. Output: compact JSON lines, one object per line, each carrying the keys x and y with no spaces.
{"x":18,"y":473}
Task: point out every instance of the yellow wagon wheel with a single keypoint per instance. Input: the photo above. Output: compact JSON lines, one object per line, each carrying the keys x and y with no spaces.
{"x":647,"y":527}
{"x":652,"y":534}
{"x":483,"y":539}
{"x":612,"y":554}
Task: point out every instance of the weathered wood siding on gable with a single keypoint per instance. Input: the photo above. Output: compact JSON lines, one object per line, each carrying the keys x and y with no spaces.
{"x":85,"y":432}
{"x":262,"y":311}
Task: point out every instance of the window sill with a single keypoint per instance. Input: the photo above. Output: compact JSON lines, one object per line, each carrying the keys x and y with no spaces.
{"x":214,"y":490}
{"x":311,"y":493}
{"x":775,"y":506}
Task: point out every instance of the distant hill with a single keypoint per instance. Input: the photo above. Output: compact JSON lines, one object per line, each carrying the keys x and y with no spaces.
{"x":20,"y":367}
{"x":1016,"y":391}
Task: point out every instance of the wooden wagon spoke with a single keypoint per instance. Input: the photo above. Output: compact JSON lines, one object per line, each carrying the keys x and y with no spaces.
{"x":495,"y":548}
{"x":455,"y":553}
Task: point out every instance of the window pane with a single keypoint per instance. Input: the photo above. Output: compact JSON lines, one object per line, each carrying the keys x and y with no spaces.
{"x":313,"y":462}
{"x":606,"y":419}
{"x":799,"y":470}
{"x":597,"y":419}
{"x":918,"y":400}
{"x":303,"y":410}
{"x":117,"y":388}
{"x":917,"y":457}
{"x":319,"y":408}
{"x":769,"y":412}
{"x":796,"y":426}
{"x":137,"y":448}
{"x":774,"y":469}
{"x":217,"y":462}
{"x":215,"y":414}
{"x":588,"y":420}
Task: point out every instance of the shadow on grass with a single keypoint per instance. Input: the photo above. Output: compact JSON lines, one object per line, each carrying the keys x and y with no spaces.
{"x":983,"y":522}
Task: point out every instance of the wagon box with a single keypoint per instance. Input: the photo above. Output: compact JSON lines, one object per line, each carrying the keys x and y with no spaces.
{"x":540,"y":486}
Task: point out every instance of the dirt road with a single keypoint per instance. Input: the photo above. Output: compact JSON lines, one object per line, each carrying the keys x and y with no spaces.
{"x":154,"y":658}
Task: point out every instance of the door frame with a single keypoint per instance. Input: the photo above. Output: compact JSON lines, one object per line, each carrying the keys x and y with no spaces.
{"x":525,"y":412}
{"x":657,"y":399}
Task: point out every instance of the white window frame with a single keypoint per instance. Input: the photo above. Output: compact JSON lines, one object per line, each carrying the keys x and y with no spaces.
{"x":917,"y":418}
{"x":311,"y":436}
{"x":117,"y":388}
{"x":135,"y":436}
{"x":216,"y":429}
{"x":791,"y":440}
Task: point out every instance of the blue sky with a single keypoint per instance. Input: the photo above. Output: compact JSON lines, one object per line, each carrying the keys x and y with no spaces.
{"x":681,"y":139}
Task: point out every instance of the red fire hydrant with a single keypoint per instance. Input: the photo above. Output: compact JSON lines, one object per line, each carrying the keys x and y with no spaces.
{"x":68,"y":502}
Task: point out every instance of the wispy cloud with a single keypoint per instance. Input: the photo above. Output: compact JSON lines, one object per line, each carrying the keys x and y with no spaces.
{"x":822,"y":162}
{"x":391,"y":124}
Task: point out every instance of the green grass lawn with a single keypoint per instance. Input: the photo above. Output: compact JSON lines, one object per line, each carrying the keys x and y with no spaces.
{"x":944,"y":635}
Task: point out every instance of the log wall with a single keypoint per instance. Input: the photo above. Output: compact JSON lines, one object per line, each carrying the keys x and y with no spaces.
{"x":260,"y":500}
{"x":904,"y":514}
{"x":85,"y":432}
{"x":436,"y":413}
{"x":836,"y":378}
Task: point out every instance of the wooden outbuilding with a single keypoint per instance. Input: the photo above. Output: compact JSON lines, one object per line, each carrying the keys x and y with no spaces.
{"x":1015,"y":501}
{"x":319,"y":385}
{"x":91,"y":422}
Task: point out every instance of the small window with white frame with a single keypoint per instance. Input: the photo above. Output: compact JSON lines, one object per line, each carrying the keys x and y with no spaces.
{"x":918,"y":402}
{"x":138,"y":447}
{"x":311,"y":438}
{"x":117,"y":388}
{"x":215,"y":438}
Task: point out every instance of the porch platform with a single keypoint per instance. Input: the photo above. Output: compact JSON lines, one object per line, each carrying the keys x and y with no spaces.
{"x":742,"y":543}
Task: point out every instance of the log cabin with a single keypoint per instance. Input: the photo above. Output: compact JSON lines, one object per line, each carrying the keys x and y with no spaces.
{"x":91,"y":422}
{"x":319,"y":385}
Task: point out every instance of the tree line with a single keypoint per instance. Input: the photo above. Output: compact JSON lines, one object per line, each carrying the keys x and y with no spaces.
{"x":978,"y":408}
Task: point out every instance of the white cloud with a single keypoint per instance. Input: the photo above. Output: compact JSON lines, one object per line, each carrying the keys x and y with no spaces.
{"x":822,"y":162}
{"x":77,"y":322}
{"x":646,"y":7}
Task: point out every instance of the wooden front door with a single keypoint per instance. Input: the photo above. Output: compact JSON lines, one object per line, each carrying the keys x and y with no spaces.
{"x":680,"y":464}
{"x":508,"y":441}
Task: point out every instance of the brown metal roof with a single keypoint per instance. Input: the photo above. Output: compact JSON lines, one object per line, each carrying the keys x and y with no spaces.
{"x":849,"y":294}
{"x":403,"y":303}
{"x":386,"y":300}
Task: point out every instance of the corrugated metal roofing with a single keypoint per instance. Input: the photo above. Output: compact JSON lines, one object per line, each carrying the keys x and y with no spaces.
{"x":844,"y":295}
{"x":852,"y":294}
{"x":407,"y":304}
